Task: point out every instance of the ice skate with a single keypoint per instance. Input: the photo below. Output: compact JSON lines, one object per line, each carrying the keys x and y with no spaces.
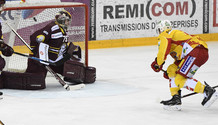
{"x":210,"y":96}
{"x":1,"y":95}
{"x":173,"y":104}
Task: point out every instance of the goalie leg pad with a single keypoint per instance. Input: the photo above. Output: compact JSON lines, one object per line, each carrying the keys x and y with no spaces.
{"x":2,"y":63}
{"x":23,"y":81}
{"x":90,"y":74}
{"x":1,"y":82}
{"x":74,"y":70}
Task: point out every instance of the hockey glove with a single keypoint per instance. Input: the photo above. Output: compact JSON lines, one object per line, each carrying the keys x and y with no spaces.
{"x":77,"y":52}
{"x":74,"y":50}
{"x":155,"y":66}
{"x":6,"y":49}
{"x":64,"y":59}
{"x":70,"y":49}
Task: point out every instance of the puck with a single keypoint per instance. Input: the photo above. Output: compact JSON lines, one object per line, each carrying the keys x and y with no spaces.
{"x":34,"y":18}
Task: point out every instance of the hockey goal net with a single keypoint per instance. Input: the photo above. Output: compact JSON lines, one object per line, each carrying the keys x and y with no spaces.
{"x":26,"y":18}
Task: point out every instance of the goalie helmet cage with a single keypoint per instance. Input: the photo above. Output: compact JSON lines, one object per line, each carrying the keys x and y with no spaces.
{"x":26,"y":18}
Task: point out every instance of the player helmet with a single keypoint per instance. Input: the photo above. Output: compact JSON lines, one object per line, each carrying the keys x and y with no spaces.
{"x":63,"y":18}
{"x":2,"y":3}
{"x":162,"y":26}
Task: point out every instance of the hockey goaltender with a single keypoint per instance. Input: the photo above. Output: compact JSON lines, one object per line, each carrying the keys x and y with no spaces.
{"x":65,"y":58}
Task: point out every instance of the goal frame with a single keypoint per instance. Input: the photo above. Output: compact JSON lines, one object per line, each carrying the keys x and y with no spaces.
{"x":26,"y":6}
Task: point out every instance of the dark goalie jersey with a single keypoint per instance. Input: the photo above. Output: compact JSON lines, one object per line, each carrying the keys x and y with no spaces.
{"x":53,"y":35}
{"x":1,"y":36}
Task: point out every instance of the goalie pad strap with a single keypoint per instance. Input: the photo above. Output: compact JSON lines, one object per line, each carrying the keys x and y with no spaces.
{"x":23,"y":81}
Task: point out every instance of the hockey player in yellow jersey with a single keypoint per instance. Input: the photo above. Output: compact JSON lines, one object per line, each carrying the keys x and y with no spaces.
{"x":190,"y":53}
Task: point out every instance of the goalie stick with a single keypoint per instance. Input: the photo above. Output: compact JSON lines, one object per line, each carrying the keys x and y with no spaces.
{"x":19,"y":37}
{"x":64,"y":84}
{"x":34,"y":58}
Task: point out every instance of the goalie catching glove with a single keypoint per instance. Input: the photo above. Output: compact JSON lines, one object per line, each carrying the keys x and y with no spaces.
{"x":5,"y":49}
{"x":155,"y":66}
{"x":71,"y":51}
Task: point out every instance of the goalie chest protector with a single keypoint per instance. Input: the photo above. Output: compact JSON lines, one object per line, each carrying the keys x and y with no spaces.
{"x":23,"y":81}
{"x":79,"y":72}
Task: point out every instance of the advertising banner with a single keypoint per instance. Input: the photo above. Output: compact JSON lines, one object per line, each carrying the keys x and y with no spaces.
{"x":215,"y":11}
{"x":112,"y":19}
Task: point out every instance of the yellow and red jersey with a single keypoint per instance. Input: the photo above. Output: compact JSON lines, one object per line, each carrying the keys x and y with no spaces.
{"x":176,"y":43}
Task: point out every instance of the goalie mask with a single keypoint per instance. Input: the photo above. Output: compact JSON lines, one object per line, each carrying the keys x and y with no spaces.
{"x":162,"y":26}
{"x":64,"y":19}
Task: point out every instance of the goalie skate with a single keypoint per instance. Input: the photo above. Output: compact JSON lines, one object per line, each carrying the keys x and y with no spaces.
{"x":213,"y":98}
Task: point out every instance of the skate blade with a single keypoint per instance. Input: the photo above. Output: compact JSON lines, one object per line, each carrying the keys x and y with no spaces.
{"x":172,"y":107}
{"x":212,"y":100}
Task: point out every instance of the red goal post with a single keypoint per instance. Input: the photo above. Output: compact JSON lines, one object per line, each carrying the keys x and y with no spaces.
{"x":26,"y":18}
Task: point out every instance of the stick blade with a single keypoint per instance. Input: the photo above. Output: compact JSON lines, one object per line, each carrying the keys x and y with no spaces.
{"x":76,"y":87}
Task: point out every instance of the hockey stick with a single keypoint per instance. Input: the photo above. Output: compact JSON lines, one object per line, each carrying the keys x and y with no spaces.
{"x":34,"y":58}
{"x":19,"y":37}
{"x":64,"y":84}
{"x":195,"y":92}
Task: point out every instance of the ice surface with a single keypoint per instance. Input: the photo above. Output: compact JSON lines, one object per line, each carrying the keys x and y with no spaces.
{"x":127,"y":92}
